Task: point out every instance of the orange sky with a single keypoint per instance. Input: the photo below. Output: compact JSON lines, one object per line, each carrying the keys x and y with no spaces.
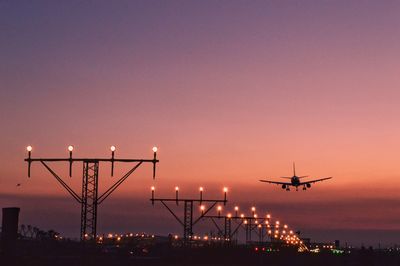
{"x":229,"y":93}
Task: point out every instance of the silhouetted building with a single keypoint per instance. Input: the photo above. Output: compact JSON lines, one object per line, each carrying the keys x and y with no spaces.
{"x":9,"y":232}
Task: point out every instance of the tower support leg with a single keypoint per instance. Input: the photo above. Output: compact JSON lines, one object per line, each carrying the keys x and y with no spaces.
{"x":188,"y":222}
{"x":89,"y":200}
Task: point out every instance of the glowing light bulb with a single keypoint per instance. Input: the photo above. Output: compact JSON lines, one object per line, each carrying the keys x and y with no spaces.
{"x":225,"y":189}
{"x":219,"y":208}
{"x":153,"y":188}
{"x":253,"y":209}
{"x":70,"y":148}
{"x":202,"y":207}
{"x":155,"y":149}
{"x":112,"y":148}
{"x":201,"y":188}
{"x":176,"y":188}
{"x":236,"y":208}
{"x":29,"y":148}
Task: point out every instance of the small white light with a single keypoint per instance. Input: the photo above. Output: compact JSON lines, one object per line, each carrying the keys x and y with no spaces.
{"x":112,"y":148}
{"x":155,"y":149}
{"x":70,"y":148}
{"x":176,"y":188}
{"x":153,"y":188}
{"x":225,"y":189}
{"x":201,"y":188}
{"x":29,"y":148}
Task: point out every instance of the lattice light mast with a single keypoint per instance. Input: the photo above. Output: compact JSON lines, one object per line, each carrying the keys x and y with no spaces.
{"x":89,"y":198}
{"x":188,"y":219}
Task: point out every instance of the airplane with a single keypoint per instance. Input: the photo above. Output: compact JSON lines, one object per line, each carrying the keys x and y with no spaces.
{"x":295,"y":181}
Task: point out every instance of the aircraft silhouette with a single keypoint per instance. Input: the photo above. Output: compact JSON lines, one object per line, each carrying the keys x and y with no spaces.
{"x":295,"y":181}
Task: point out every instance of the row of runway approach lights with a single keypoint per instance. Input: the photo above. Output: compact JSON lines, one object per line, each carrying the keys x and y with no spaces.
{"x":201,"y":190}
{"x":70,"y":149}
{"x":275,"y":230}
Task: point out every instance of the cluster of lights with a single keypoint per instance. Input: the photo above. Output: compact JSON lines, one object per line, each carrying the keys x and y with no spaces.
{"x":277,"y":230}
{"x":119,"y":237}
{"x":204,"y":238}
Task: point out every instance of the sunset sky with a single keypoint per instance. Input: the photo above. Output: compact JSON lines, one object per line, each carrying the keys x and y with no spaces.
{"x":230,"y":92}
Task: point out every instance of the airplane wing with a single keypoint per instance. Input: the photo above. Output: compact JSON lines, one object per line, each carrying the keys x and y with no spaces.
{"x":276,"y":182}
{"x":314,"y":181}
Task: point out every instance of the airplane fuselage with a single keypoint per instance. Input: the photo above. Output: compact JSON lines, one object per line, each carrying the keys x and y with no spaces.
{"x":295,"y":181}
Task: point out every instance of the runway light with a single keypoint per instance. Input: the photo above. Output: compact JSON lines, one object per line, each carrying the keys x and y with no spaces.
{"x":202,"y":207}
{"x":70,"y":148}
{"x":176,"y":188}
{"x":236,"y":208}
{"x":219,"y":208}
{"x":225,"y":189}
{"x":201,"y":189}
{"x":29,"y":148}
{"x":155,"y":149}
{"x":253,"y":209}
{"x":153,"y":188}
{"x":268,"y":216}
{"x":112,"y":148}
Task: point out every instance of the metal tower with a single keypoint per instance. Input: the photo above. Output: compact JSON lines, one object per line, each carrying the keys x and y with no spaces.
{"x":188,"y":221}
{"x":90,"y":199}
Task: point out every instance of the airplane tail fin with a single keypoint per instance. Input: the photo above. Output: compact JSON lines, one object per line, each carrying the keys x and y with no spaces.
{"x":294,"y":169}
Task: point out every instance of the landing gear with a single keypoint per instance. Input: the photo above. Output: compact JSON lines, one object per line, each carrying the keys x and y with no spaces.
{"x":297,"y":189}
{"x":304,"y":188}
{"x":287,"y":189}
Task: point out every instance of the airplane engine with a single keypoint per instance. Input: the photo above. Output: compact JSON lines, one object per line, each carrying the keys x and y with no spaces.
{"x":283,"y":186}
{"x":308,"y":185}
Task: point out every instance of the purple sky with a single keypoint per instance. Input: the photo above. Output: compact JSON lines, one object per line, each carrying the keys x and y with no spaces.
{"x":231,"y":92}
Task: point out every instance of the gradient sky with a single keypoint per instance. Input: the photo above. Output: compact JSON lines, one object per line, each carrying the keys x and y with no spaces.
{"x":230,"y":91}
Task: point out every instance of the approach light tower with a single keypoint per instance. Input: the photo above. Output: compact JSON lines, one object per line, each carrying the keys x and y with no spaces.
{"x":188,"y":219}
{"x":90,"y":199}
